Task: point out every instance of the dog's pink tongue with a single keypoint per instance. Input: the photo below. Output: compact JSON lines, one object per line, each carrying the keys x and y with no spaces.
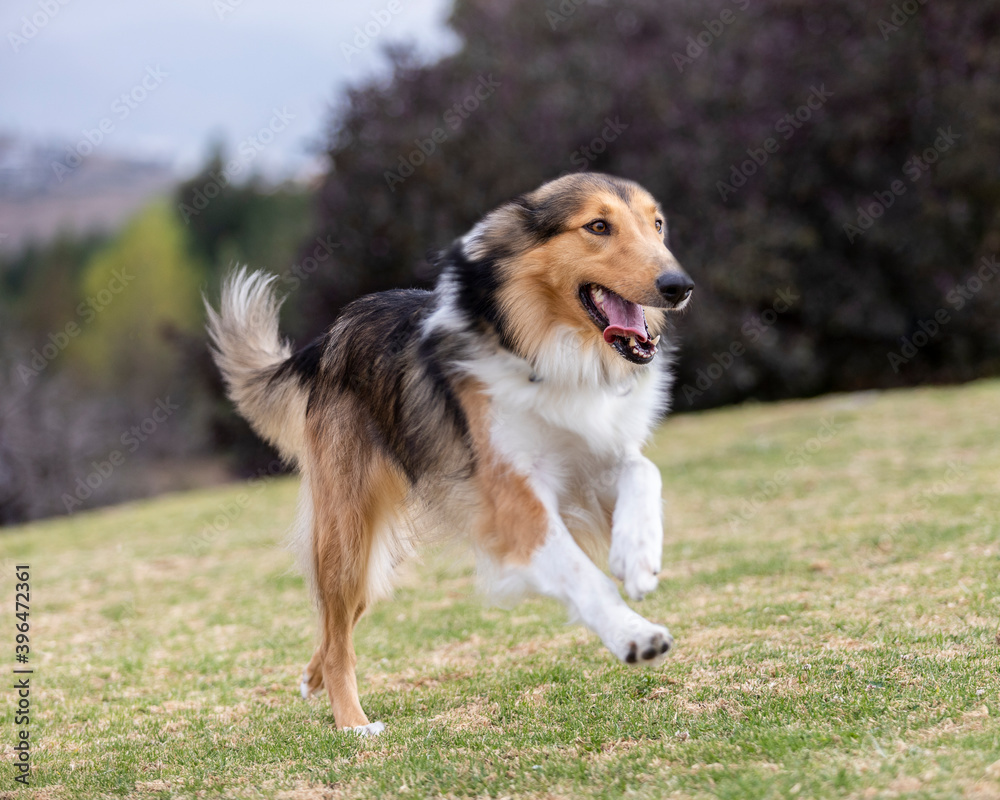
{"x":624,"y":318}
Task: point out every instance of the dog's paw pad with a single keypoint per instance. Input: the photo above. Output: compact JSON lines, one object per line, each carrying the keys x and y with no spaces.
{"x":649,"y":651}
{"x":371,"y":729}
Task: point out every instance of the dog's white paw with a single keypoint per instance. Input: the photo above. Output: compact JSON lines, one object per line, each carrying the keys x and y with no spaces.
{"x":371,"y":729}
{"x":636,"y":569}
{"x":641,"y":643}
{"x":304,"y":687}
{"x":640,"y":582}
{"x":636,"y":555}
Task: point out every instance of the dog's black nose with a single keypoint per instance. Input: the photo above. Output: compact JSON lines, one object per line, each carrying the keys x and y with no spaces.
{"x":675,"y":286}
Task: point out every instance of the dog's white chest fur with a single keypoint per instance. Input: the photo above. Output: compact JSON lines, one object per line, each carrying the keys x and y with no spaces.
{"x":557,"y":424}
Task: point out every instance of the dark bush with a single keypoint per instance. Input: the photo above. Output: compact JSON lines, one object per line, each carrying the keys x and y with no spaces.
{"x":678,"y":96}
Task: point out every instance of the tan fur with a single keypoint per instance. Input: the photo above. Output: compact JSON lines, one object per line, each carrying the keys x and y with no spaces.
{"x":355,"y":489}
{"x":513,"y":522}
{"x":543,"y":285}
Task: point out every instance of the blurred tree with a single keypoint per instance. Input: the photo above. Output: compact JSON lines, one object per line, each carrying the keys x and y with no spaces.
{"x":245,"y":222}
{"x":765,"y":129}
{"x":140,"y":288}
{"x":230,"y":222}
{"x":95,"y":330}
{"x":38,"y":285}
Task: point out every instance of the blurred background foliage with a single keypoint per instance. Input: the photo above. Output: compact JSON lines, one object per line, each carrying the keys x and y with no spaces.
{"x":680,"y":96}
{"x":140,"y":287}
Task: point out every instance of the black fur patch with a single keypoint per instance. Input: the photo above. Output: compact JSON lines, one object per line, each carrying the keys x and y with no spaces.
{"x":478,"y":289}
{"x":304,"y":363}
{"x":376,"y":352}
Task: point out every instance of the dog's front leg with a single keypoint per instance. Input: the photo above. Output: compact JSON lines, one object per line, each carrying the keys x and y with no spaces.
{"x":523,"y":535}
{"x":560,"y":569}
{"x":550,"y":561}
{"x":637,"y":527}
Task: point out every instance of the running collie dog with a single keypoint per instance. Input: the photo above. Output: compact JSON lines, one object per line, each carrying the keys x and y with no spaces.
{"x":511,"y":403}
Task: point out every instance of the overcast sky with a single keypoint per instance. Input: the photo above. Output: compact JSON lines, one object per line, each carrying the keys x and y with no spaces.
{"x":212,"y":69}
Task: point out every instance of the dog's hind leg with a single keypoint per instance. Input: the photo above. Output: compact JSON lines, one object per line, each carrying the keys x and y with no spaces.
{"x":312,"y":676}
{"x":354,"y":489}
{"x":339,"y":662}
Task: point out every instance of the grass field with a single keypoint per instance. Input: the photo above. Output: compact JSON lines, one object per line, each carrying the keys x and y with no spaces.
{"x":831,"y":579}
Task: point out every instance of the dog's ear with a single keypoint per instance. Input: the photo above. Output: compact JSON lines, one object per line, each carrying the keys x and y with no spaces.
{"x":503,"y":232}
{"x":541,"y":220}
{"x":521,"y":212}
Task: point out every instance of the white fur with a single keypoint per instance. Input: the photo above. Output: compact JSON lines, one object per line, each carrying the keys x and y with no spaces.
{"x":304,"y":686}
{"x":300,"y":538}
{"x":249,"y":350}
{"x":446,"y":316}
{"x":637,"y":530}
{"x":575,"y":431}
{"x":371,"y":729}
{"x":560,"y":569}
{"x":391,"y":544}
{"x":571,"y":402}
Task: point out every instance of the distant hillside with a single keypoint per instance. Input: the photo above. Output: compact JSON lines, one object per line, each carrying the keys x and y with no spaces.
{"x":41,"y":194}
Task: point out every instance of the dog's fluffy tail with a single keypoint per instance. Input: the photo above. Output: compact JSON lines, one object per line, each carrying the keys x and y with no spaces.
{"x":250,"y":352}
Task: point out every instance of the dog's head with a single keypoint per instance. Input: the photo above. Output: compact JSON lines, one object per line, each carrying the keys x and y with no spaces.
{"x":586,"y":253}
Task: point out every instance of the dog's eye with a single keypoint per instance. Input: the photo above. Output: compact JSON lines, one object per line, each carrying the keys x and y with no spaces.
{"x":598,"y":226}
{"x":659,"y":226}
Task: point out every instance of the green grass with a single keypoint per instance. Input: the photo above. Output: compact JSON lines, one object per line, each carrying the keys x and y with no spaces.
{"x":839,"y":639}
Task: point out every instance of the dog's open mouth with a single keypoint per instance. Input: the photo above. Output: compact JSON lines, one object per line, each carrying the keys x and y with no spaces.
{"x":623,"y":323}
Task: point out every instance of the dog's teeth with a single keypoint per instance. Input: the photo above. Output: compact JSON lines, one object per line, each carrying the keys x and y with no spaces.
{"x":631,"y":341}
{"x":597,"y":294}
{"x":655,"y":340}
